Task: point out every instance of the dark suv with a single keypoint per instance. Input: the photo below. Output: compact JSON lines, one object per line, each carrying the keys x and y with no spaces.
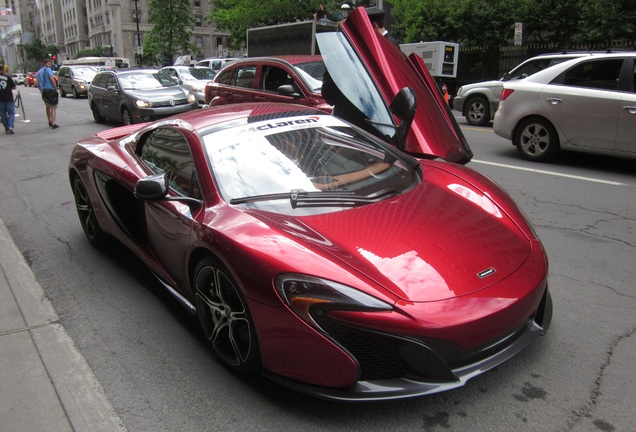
{"x":137,"y":95}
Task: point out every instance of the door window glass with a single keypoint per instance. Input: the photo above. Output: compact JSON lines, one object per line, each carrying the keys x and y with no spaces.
{"x":167,"y":151}
{"x":596,"y":74}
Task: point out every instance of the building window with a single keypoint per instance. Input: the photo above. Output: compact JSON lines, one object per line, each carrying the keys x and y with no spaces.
{"x":198,"y":21}
{"x":197,"y":3}
{"x":198,"y":41}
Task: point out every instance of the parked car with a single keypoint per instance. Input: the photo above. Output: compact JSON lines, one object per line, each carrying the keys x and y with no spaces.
{"x":215,"y":63}
{"x":18,"y":78}
{"x":191,"y":79}
{"x":136,"y":95}
{"x":291,"y":79}
{"x":316,"y":253}
{"x":478,"y":102}
{"x":586,"y":105}
{"x":31,"y":79}
{"x":75,"y":80}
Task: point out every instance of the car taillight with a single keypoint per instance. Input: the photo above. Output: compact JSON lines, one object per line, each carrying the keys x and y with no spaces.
{"x":505,"y":93}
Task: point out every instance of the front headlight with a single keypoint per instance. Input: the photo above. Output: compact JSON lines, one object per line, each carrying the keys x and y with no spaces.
{"x":310,"y":297}
{"x":143,"y":104}
{"x":459,"y":92}
{"x":191,"y":98}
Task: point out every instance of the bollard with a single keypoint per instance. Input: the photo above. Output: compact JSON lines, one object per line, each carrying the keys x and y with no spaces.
{"x":19,"y":104}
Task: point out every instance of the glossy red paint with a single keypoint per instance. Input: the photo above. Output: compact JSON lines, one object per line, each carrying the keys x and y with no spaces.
{"x":225,"y":87}
{"x":459,"y":269}
{"x":434,"y":130}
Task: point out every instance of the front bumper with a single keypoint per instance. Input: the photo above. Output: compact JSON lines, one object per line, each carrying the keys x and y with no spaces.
{"x":156,"y":113}
{"x":458,"y":103}
{"x":418,"y":368}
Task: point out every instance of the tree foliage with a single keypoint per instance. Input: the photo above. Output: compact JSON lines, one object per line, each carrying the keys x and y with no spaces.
{"x":484,"y":23}
{"x":173,"y":24}
{"x":38,"y":50}
{"x":490,"y":23}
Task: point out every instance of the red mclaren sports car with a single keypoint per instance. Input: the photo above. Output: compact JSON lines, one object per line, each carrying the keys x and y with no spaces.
{"x":343,"y":263}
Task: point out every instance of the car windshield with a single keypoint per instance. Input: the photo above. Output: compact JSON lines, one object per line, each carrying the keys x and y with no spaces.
{"x":85,"y":72}
{"x":145,"y":80}
{"x":315,"y":154}
{"x":313,"y":84}
{"x":197,"y":73}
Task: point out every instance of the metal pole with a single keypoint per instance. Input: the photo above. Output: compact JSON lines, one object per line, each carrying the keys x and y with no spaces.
{"x":141,"y":62}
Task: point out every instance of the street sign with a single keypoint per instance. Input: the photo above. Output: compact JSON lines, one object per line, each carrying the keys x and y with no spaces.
{"x":518,"y":33}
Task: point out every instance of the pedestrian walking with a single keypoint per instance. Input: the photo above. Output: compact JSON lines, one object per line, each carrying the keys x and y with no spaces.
{"x":7,"y":103}
{"x":48,"y":88}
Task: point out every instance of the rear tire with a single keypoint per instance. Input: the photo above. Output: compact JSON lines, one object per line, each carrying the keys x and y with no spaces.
{"x":536,"y":139}
{"x":478,"y":111}
{"x":62,"y":92}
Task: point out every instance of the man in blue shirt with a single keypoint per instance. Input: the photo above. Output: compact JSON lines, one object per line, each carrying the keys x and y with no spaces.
{"x":48,"y":87}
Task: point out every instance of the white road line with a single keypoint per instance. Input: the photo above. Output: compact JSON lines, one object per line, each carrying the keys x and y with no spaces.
{"x":589,"y":179}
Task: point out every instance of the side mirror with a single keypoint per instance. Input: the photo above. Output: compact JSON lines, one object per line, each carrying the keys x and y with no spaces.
{"x":506,"y":77}
{"x":288,"y":90}
{"x":153,"y":187}
{"x":112,"y":89}
{"x":403,"y":106}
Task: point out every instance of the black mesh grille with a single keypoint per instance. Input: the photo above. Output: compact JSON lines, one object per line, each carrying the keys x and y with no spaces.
{"x":376,"y":357}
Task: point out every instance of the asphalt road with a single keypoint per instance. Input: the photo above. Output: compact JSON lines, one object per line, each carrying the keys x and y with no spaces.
{"x":159,"y":375}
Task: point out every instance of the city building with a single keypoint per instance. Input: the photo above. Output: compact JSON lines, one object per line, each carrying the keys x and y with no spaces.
{"x":77,"y":25}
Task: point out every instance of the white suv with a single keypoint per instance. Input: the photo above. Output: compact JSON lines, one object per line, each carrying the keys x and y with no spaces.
{"x":478,"y":102}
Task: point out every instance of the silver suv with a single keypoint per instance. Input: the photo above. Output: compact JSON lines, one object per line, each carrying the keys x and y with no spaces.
{"x":478,"y":102}
{"x":75,"y":80}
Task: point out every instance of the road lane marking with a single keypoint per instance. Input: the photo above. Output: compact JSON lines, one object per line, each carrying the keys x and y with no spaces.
{"x":589,"y":179}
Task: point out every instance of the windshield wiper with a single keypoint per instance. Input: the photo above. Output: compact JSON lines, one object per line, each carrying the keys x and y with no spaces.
{"x":301,"y":198}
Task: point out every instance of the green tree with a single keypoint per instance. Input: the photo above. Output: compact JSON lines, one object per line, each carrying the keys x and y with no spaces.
{"x":237,"y":16}
{"x":94,"y":52}
{"x":37,"y":50}
{"x":602,"y":23}
{"x":173,"y":23}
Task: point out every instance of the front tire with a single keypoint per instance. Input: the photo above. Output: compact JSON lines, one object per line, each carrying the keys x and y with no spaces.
{"x":478,"y":111}
{"x":126,"y":116}
{"x":86,"y":214}
{"x":225,"y":319}
{"x":75,"y":93}
{"x":536,"y":140}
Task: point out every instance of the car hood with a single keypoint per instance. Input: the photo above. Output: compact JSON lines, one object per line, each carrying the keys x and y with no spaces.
{"x":434,"y":131}
{"x":444,"y":239}
{"x":161,"y":94}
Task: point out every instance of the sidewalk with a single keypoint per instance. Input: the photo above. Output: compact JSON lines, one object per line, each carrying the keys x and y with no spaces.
{"x":46,"y":383}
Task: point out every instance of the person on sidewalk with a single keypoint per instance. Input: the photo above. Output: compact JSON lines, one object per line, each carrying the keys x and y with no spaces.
{"x":48,"y":88}
{"x":7,"y":104}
